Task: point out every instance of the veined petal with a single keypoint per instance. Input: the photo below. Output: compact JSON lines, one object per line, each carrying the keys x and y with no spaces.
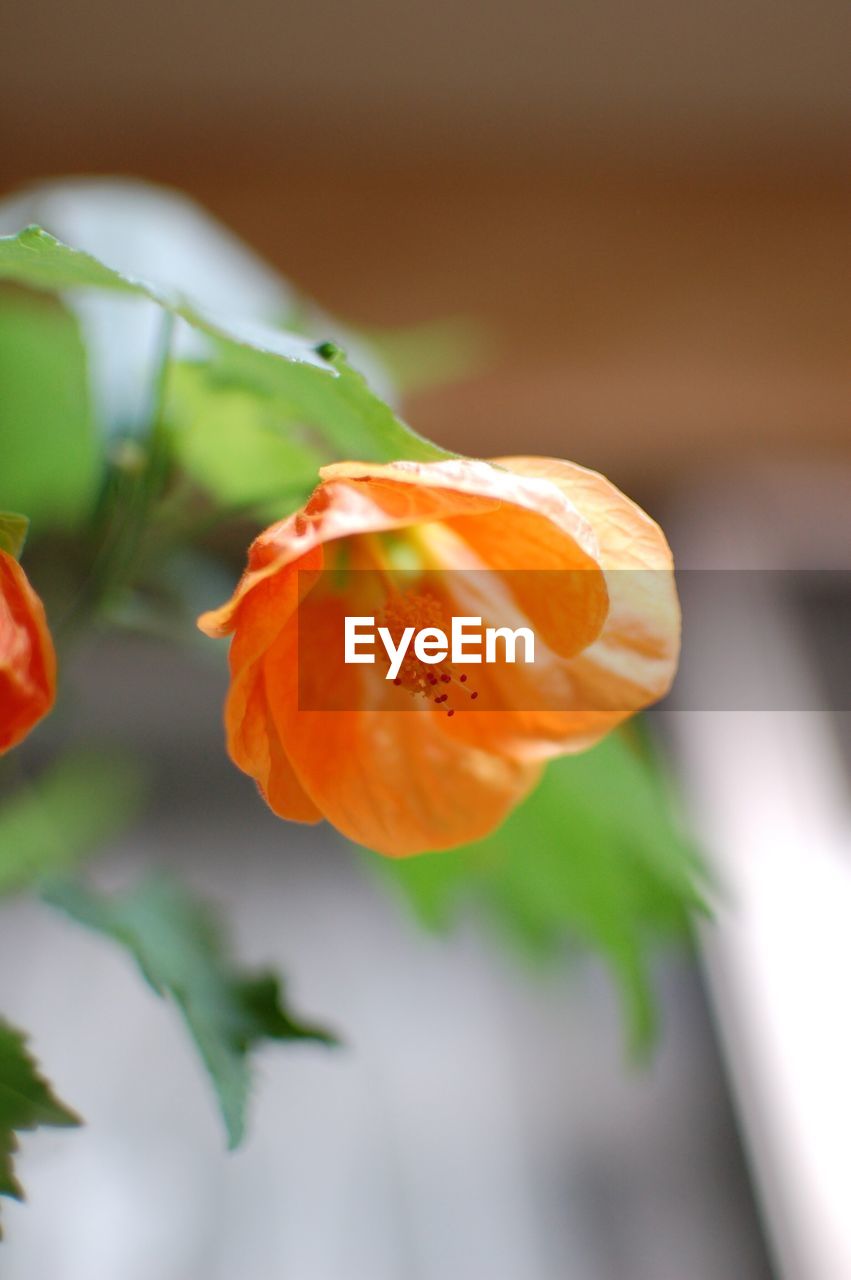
{"x":627,"y":537}
{"x":633,"y":661}
{"x":531,"y":527}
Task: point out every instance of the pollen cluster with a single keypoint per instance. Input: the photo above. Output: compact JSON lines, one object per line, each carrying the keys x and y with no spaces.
{"x":435,"y":681}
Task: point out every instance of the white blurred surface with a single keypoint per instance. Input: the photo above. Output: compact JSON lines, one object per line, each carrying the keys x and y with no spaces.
{"x":480,"y":1124}
{"x":773,"y":805}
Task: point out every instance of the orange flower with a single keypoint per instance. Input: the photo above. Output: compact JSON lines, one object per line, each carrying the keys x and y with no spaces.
{"x":27,"y":659}
{"x":553,"y":537}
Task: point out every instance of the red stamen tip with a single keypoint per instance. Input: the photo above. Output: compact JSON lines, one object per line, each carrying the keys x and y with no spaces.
{"x":474,"y":695}
{"x":397,"y":681}
{"x":450,"y":713}
{"x":463,"y":679}
{"x":445,"y":678}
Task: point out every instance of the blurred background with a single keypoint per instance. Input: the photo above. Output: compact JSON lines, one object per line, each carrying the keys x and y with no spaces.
{"x":640,"y":215}
{"x":647,"y":207}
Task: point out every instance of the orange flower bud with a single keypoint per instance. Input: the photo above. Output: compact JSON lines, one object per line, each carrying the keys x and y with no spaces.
{"x":27,"y":658}
{"x":559,"y":540}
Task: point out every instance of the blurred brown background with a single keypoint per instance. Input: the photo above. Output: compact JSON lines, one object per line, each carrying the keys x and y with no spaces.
{"x":647,"y":205}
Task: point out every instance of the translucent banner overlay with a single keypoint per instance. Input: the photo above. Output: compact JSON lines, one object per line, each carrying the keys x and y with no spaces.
{"x":579,"y":641}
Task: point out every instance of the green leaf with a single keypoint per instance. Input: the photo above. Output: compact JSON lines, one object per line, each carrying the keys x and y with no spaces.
{"x":354,"y":417}
{"x":48,"y":826}
{"x":13,"y":533}
{"x":316,"y":382}
{"x":178,"y":944}
{"x":595,"y":855}
{"x":26,"y":1102}
{"x":48,"y":439}
{"x":240,"y":444}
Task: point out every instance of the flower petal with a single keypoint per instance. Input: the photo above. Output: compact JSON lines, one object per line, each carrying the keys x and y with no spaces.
{"x":252,"y":740}
{"x":27,"y":656}
{"x":566,"y":553}
{"x":627,"y":537}
{"x":532,"y":536}
{"x":633,"y":662}
{"x":390,"y":780}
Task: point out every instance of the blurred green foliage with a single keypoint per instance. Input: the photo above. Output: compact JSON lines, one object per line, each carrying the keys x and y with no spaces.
{"x":239,"y":444}
{"x":50,"y":824}
{"x":180,"y":948}
{"x":51,"y":458}
{"x":26,"y":1102}
{"x":595,"y":855}
{"x":13,"y":533}
{"x":423,"y":356}
{"x":315,"y":382}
